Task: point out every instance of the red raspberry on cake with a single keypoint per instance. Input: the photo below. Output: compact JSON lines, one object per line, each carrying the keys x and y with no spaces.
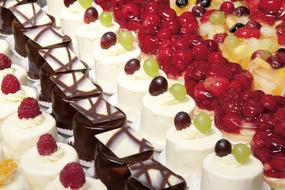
{"x":5,"y":62}
{"x":29,"y":108}
{"x":10,"y":84}
{"x":72,"y":176}
{"x":46,"y":145}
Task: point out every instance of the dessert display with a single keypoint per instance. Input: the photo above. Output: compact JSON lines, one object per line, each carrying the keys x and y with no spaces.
{"x":45,"y":37}
{"x":10,"y":176}
{"x":27,"y":16}
{"x":150,"y":174}
{"x":42,"y":163}
{"x":111,"y":56}
{"x":94,"y":116}
{"x":89,"y":34}
{"x":57,"y":61}
{"x":159,"y":108}
{"x":117,"y":149}
{"x":4,"y":48}
{"x":134,"y":81}
{"x":21,"y":131}
{"x":188,"y":144}
{"x":72,"y":177}
{"x":232,"y":167}
{"x":70,"y":87}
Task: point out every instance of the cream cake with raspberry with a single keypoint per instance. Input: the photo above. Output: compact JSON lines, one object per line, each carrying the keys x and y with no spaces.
{"x":72,"y":177}
{"x":22,"y":130}
{"x":42,"y":163}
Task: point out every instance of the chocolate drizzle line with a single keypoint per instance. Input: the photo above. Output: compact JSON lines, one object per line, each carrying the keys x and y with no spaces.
{"x":143,"y":144}
{"x":143,"y":168}
{"x":92,"y":114}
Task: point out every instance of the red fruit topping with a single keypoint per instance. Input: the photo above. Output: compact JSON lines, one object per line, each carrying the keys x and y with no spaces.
{"x":220,"y":37}
{"x":29,"y":108}
{"x":200,"y":52}
{"x":281,"y":33}
{"x":270,"y":5}
{"x":67,"y":3}
{"x":206,"y":16}
{"x":280,"y":129}
{"x":46,"y":145}
{"x":253,"y":24}
{"x":149,"y":44}
{"x":90,"y":15}
{"x":246,"y":32}
{"x":227,"y":7}
{"x":216,"y":85}
{"x":151,"y":23}
{"x":188,"y":23}
{"x":269,"y":102}
{"x":232,"y":105}
{"x":72,"y":176}
{"x":108,"y":40}
{"x":10,"y":84}
{"x":252,"y":108}
{"x":132,"y":66}
{"x":5,"y":62}
{"x":231,"y":123}
{"x":105,"y":4}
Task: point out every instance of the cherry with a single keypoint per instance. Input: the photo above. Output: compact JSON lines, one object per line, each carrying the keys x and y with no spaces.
{"x":232,"y":105}
{"x":216,"y":85}
{"x":158,"y":86}
{"x":108,"y":39}
{"x":252,"y":108}
{"x":227,"y":7}
{"x":241,"y":11}
{"x":182,"y":120}
{"x":223,"y":147}
{"x":275,"y":62}
{"x":198,"y":11}
{"x":91,"y":15}
{"x":269,"y":102}
{"x":235,"y":27}
{"x":132,"y":66}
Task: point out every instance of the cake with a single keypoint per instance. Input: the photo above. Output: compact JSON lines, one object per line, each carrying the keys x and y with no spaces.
{"x":54,"y":7}
{"x":70,"y":87}
{"x":150,"y":174}
{"x":94,"y":116}
{"x":235,"y":171}
{"x":187,"y":144}
{"x":4,"y":48}
{"x":117,"y":149}
{"x":27,"y":16}
{"x":72,"y":177}
{"x":111,"y":57}
{"x":57,"y":61}
{"x":22,"y":130}
{"x":11,"y":177}
{"x":41,"y":164}
{"x":88,"y":36}
{"x":45,"y":37}
{"x":72,"y":17}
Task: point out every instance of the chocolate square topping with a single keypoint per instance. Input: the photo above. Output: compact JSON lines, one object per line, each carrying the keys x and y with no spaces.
{"x":10,"y":3}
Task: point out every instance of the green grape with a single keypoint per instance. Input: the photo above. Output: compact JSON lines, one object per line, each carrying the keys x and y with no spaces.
{"x":126,"y":39}
{"x":151,"y":67}
{"x":178,"y":91}
{"x":106,"y":19}
{"x":203,"y":122}
{"x":241,"y":152}
{"x":85,"y":3}
{"x":232,"y":41}
{"x":217,"y":18}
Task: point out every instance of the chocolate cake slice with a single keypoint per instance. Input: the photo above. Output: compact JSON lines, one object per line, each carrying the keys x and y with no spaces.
{"x":151,"y":175}
{"x":44,"y":37}
{"x":27,"y":16}
{"x":118,"y":149}
{"x":94,"y":116}
{"x":57,"y":61}
{"x":70,"y":87}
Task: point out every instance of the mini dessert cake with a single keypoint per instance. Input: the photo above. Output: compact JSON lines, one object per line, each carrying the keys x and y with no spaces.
{"x":89,"y":34}
{"x":10,"y":176}
{"x":4,"y":48}
{"x":117,"y":149}
{"x":54,"y":7}
{"x":150,"y":174}
{"x":159,"y":108}
{"x":72,"y":177}
{"x":235,"y":171}
{"x":72,"y":17}
{"x":70,"y":87}
{"x":27,"y":16}
{"x":188,"y":144}
{"x":57,"y":61}
{"x":133,"y":83}
{"x":111,"y":57}
{"x":22,"y":130}
{"x":45,"y":37}
{"x":94,"y":116}
{"x":6,"y":67}
{"x":42,"y":163}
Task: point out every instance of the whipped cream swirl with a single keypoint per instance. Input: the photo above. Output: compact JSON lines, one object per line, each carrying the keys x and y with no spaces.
{"x":31,"y":123}
{"x":115,"y":50}
{"x":16,"y":97}
{"x":57,"y":155}
{"x":166,"y":99}
{"x":228,"y":161}
{"x":191,"y":133}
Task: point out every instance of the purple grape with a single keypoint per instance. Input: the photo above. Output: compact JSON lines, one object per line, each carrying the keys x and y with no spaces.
{"x":108,"y":39}
{"x":132,"y":66}
{"x":158,"y":86}
{"x":182,"y":120}
{"x":223,"y":147}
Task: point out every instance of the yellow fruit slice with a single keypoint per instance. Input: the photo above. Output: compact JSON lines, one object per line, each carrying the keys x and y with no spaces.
{"x":8,"y":169}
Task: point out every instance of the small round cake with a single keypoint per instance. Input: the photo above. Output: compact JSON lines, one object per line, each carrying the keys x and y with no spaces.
{"x":4,"y":48}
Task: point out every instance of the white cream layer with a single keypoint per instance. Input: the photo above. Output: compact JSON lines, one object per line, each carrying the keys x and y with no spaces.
{"x":17,"y":183}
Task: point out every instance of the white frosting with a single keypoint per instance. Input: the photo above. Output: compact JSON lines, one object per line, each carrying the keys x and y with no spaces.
{"x":15,"y":70}
{"x":27,"y":10}
{"x":112,"y":61}
{"x":4,"y":48}
{"x":157,"y":115}
{"x":31,"y":123}
{"x":54,"y":7}
{"x":89,"y":36}
{"x":72,"y":18}
{"x":18,"y":183}
{"x":41,"y":170}
{"x":90,"y":184}
{"x":186,"y":149}
{"x":134,"y":87}
{"x":226,"y":172}
{"x":18,"y":139}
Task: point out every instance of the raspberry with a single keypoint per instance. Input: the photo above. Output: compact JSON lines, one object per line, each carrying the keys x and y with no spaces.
{"x":72,"y":176}
{"x":29,"y":108}
{"x":46,"y":145}
{"x":5,"y":62}
{"x":10,"y":84}
{"x":246,"y":32}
